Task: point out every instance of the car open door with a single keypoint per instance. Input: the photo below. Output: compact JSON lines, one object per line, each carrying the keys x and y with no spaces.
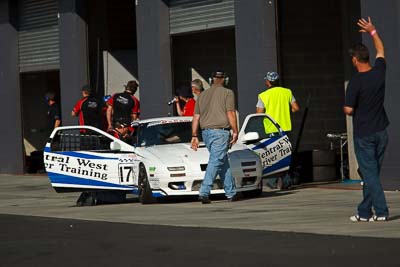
{"x":84,"y":158}
{"x":263,"y":135}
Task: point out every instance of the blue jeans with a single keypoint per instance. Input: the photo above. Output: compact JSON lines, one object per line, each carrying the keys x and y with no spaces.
{"x":369,"y":152}
{"x":217,"y":143}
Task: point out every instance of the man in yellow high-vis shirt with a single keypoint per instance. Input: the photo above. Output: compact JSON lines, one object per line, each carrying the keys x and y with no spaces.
{"x":278,"y":102}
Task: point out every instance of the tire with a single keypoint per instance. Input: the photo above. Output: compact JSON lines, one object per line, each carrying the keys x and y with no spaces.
{"x":87,"y":198}
{"x":145,"y":193}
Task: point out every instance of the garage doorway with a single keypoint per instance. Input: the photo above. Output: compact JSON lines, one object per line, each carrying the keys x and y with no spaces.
{"x":197,"y":55}
{"x":34,"y":86}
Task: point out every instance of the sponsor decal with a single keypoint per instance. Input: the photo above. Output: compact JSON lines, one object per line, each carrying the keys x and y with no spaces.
{"x":154,"y":182}
{"x":76,"y":166}
{"x":271,"y":153}
{"x":122,"y":100}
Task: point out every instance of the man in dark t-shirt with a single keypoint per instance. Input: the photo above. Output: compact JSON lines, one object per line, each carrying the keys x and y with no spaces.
{"x":88,"y":108}
{"x":53,"y":113}
{"x":123,"y":107}
{"x":365,"y":96}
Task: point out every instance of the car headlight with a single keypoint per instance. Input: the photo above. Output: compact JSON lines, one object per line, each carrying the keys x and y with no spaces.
{"x":178,"y":168}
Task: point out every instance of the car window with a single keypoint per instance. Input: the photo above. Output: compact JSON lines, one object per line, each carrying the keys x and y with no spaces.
{"x":79,"y":139}
{"x":159,"y":133}
{"x":263,"y":125}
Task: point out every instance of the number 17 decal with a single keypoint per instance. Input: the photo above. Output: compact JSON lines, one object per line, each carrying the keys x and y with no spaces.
{"x":125,"y":173}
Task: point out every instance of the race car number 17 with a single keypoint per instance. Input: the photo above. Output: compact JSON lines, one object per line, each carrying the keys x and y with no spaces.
{"x":126,"y":173}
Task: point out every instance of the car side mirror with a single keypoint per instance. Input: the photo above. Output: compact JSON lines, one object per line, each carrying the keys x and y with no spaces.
{"x":250,"y":136}
{"x":115,"y":146}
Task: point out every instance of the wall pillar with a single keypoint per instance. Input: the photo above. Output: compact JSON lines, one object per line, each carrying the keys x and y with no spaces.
{"x":256,"y":50}
{"x":73,"y":55}
{"x":154,"y":57}
{"x":12,"y":152}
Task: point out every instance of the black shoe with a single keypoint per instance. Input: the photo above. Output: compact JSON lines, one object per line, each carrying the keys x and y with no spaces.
{"x":204,"y":200}
{"x":234,"y":198}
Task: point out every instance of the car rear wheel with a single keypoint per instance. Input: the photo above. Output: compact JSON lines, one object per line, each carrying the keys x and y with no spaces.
{"x":145,"y":193}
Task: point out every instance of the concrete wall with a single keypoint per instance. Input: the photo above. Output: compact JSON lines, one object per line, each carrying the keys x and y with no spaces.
{"x":311,"y":50}
{"x":119,"y":68}
{"x":11,"y":154}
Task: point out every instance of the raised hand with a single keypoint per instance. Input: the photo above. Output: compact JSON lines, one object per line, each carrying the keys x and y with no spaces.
{"x":366,"y":26}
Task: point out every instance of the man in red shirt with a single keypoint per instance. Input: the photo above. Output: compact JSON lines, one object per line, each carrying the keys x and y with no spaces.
{"x":186,"y":96}
{"x":88,"y":108}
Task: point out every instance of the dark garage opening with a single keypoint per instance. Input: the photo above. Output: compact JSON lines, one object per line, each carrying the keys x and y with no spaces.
{"x":34,"y":86}
{"x":205,"y":52}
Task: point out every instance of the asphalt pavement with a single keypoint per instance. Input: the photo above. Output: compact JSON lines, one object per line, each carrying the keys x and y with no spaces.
{"x":302,"y":227}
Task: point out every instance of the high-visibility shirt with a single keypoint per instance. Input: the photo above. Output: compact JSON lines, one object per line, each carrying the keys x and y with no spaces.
{"x":277,"y":102}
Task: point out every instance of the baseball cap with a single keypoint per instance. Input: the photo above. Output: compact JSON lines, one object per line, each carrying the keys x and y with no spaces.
{"x":218,"y":74}
{"x":271,"y":76}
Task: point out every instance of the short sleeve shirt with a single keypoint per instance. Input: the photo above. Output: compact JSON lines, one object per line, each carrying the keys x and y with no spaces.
{"x":276,"y":102}
{"x":136,"y":108}
{"x":188,"y":110}
{"x":89,"y":111}
{"x":123,"y":106}
{"x":366,"y":94}
{"x":212,"y":106}
{"x":53,"y":114}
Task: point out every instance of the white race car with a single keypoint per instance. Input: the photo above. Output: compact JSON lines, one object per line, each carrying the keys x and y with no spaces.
{"x":158,"y":161}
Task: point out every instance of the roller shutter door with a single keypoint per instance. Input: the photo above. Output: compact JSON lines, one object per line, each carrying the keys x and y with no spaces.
{"x":38,"y":35}
{"x":197,"y":15}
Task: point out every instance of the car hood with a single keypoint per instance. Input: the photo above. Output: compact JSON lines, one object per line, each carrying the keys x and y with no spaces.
{"x":178,"y":154}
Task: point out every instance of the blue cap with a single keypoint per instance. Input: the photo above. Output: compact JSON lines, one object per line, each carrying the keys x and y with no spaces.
{"x":271,"y":76}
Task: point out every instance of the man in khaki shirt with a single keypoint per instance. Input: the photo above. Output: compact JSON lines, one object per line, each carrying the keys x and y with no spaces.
{"x":215,"y":113}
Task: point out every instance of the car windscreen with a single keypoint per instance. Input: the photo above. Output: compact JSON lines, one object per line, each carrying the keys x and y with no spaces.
{"x":161,"y":133}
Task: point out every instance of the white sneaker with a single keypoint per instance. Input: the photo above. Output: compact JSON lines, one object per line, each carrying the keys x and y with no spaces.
{"x":357,"y":218}
{"x":378,"y":218}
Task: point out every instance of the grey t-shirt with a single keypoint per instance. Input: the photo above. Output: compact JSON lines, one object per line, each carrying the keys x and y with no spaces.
{"x":212,"y":106}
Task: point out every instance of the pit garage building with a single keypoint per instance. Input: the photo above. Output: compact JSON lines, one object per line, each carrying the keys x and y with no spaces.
{"x":60,"y":45}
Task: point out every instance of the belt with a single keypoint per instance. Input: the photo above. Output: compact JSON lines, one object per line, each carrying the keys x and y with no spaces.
{"x":224,"y":129}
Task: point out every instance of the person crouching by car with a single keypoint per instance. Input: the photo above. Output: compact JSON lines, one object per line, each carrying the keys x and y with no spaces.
{"x":122,"y":132}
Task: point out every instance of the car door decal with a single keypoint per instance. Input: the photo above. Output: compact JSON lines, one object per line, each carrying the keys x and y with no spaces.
{"x":275,"y":153}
